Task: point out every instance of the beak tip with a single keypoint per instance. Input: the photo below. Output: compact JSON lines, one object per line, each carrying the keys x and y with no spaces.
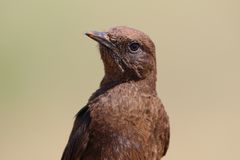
{"x":88,"y":34}
{"x":100,"y":37}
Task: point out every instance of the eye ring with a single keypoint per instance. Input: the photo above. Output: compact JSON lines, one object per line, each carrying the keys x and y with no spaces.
{"x":134,"y":47}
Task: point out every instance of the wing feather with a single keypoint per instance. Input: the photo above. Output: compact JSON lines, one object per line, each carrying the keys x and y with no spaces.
{"x":79,"y":136}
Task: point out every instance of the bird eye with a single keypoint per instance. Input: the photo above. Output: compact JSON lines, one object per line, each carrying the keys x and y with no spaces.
{"x":134,"y":46}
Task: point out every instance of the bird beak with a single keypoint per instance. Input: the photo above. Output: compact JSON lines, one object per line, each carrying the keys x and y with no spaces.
{"x":101,"y":38}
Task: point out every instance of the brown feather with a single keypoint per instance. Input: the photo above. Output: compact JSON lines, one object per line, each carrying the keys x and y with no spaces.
{"x":124,"y":119}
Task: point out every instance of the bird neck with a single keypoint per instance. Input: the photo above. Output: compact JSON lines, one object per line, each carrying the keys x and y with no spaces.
{"x":147,"y":85}
{"x":111,"y":77}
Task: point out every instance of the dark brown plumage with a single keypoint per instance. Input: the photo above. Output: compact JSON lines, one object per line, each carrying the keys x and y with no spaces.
{"x":124,"y":119}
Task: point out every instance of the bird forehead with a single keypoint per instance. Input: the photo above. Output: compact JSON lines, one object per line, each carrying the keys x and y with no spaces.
{"x":128,"y":33}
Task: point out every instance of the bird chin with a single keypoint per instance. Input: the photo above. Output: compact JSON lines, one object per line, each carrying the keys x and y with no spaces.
{"x":106,"y":52}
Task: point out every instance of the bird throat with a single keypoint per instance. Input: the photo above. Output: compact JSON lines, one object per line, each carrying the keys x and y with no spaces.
{"x":113,"y":66}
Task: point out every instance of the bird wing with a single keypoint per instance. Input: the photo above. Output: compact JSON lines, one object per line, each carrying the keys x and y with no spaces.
{"x":165,"y":127}
{"x":79,"y":136}
{"x":167,"y":140}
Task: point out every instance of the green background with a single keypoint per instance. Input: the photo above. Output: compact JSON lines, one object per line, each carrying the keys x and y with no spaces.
{"x":48,"y":69}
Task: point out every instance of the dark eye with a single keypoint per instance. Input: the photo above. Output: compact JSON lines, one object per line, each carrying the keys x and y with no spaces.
{"x":134,"y":46}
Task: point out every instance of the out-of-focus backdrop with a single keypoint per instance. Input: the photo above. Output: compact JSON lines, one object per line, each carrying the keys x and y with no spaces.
{"x":48,"y":69}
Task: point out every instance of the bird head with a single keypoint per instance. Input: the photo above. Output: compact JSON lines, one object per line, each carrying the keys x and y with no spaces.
{"x":127,"y":54}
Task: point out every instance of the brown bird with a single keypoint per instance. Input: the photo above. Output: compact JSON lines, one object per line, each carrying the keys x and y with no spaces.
{"x":124,"y":119}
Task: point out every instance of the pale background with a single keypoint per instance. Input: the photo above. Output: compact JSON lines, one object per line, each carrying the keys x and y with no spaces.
{"x":48,"y":69}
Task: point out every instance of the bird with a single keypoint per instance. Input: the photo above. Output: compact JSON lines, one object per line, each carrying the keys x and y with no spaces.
{"x":124,"y":119}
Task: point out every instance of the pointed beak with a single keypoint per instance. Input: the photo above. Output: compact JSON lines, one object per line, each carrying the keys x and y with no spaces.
{"x":101,"y":38}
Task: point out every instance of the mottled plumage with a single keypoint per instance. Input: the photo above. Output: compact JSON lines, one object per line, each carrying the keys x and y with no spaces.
{"x":124,"y":119}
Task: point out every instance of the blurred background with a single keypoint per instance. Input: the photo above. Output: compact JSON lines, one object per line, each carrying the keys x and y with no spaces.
{"x":48,"y":69}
